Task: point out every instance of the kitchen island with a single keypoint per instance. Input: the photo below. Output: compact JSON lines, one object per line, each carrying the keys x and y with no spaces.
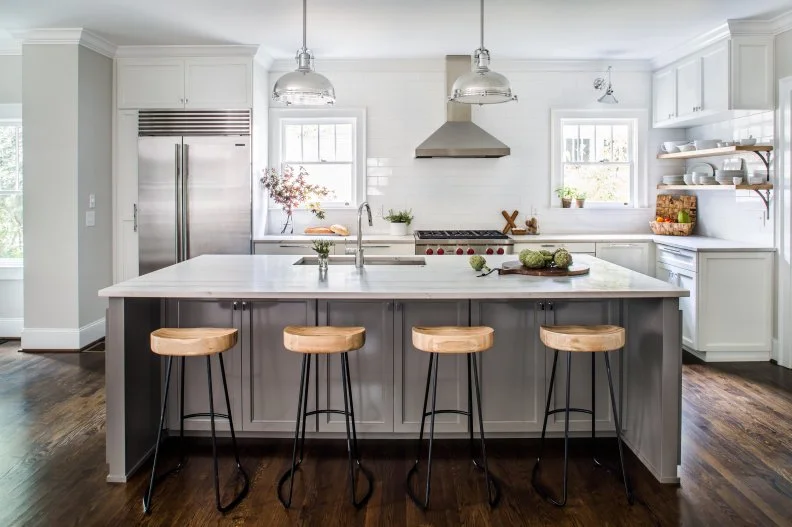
{"x":260,"y":295}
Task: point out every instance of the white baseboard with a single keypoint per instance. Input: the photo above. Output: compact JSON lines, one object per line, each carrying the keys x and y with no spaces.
{"x":11,"y":327}
{"x":731,"y":356}
{"x":62,"y":338}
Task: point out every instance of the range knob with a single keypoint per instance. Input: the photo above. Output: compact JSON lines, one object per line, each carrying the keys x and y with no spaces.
{"x":460,"y":251}
{"x":429,"y":251}
{"x":501,"y":251}
{"x":471,"y":251}
{"x":440,"y":251}
{"x":490,"y":251}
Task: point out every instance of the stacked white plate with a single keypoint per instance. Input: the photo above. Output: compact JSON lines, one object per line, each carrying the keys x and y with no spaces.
{"x":724,"y":177}
{"x":673,"y":180}
{"x":708,"y":180}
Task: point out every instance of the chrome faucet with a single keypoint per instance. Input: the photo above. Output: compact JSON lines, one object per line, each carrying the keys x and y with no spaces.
{"x":359,"y":250}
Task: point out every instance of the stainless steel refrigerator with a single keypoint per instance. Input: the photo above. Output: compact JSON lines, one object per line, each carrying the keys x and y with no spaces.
{"x":194,"y":185}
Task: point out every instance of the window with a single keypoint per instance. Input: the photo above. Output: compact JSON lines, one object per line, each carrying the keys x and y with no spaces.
{"x":596,"y":153}
{"x":10,"y":190}
{"x":328,"y":143}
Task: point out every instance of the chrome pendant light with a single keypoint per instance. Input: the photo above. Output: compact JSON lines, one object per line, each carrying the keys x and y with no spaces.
{"x":304,"y":86}
{"x":600,"y":83}
{"x":481,"y":85}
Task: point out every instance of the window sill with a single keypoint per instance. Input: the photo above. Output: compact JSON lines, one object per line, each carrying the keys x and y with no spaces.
{"x":11,"y":269}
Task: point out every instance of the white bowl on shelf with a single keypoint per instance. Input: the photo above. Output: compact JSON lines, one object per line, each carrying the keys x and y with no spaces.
{"x":748,"y":142}
{"x":737,"y":181}
{"x":686,"y":148}
{"x":705,"y":144}
{"x":757,"y":180}
{"x":688,"y":179}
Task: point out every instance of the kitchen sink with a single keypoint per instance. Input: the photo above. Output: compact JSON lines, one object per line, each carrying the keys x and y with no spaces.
{"x":367,"y":260}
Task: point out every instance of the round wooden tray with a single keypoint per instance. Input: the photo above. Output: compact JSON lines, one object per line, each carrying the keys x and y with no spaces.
{"x":519,"y":268}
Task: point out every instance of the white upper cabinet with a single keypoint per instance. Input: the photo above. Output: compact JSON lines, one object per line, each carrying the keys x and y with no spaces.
{"x":200,"y":83}
{"x":218,"y":83}
{"x":730,"y":78}
{"x":150,"y":83}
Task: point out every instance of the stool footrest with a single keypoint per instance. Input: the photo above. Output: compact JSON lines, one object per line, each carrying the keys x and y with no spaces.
{"x":438,"y":412}
{"x":205,"y":414}
{"x":562,"y":410}
{"x":317,"y":412}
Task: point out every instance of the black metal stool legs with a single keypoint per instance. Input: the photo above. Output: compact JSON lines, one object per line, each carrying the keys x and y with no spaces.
{"x":182,"y":459}
{"x":351,"y":434}
{"x":567,"y":409}
{"x":493,"y":487}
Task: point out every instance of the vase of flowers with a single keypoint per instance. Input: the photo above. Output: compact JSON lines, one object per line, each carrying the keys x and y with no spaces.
{"x":322,"y":250}
{"x":290,"y":189}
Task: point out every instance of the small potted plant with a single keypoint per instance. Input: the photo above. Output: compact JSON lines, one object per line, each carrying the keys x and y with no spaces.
{"x":399,"y":221}
{"x":580,"y":198}
{"x":322,"y":250}
{"x":565,"y":194}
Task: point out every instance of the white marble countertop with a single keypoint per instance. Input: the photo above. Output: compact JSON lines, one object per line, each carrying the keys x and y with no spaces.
{"x":271,"y":277}
{"x":694,"y":243}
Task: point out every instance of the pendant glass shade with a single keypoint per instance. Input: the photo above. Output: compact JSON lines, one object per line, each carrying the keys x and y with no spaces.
{"x":608,"y":98}
{"x":304,"y":86}
{"x":482,"y":85}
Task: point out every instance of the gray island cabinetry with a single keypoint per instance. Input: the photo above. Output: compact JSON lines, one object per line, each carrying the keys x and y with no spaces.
{"x":260,"y":295}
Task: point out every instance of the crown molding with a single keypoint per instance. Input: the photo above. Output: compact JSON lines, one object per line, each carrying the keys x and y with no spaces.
{"x":77,"y":36}
{"x":691,"y":46}
{"x":140,"y":52}
{"x":10,"y":47}
{"x":773,"y":26}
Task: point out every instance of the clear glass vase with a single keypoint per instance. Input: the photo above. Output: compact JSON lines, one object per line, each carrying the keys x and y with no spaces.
{"x":324,"y":259}
{"x":288,"y":223}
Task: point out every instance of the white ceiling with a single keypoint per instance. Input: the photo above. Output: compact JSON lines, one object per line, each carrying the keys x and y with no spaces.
{"x":555,"y":29}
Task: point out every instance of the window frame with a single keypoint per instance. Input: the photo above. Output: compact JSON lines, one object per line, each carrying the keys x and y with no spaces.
{"x":638,"y":120}
{"x":279,"y":117}
{"x":9,"y":118}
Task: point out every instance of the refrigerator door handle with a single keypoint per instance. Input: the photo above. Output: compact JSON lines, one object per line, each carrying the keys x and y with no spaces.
{"x":186,"y":201}
{"x":179,"y":252}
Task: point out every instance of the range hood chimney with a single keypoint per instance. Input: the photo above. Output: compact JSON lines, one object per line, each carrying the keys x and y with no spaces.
{"x":459,"y":137}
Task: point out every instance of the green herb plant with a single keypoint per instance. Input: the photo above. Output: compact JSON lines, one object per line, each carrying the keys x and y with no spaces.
{"x":322,"y":247}
{"x":402,"y":216}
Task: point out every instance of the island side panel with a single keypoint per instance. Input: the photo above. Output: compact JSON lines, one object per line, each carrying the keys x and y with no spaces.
{"x":132,"y":384}
{"x":652,"y":383}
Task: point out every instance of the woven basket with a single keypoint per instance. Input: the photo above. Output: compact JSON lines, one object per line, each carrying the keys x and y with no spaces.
{"x":670,"y":206}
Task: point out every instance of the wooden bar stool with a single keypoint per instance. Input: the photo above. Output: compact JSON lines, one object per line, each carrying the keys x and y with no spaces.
{"x":195,"y":342}
{"x":312,"y":341}
{"x":444,"y":340}
{"x":580,"y":339}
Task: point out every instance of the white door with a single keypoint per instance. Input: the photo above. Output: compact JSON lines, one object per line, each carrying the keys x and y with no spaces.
{"x":714,"y":75}
{"x":218,"y":83}
{"x":664,"y":87}
{"x":689,"y":87}
{"x":634,"y":256}
{"x":151,"y":83}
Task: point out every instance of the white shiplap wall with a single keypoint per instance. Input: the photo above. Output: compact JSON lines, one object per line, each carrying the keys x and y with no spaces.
{"x":405,"y":104}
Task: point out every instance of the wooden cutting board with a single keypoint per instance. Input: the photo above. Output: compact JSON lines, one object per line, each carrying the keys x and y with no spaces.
{"x":519,"y":268}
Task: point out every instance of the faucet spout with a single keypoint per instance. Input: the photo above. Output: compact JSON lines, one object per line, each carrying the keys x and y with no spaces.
{"x":359,"y":249}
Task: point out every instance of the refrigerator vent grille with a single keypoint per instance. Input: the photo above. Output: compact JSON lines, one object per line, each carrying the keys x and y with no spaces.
{"x":193,"y":122}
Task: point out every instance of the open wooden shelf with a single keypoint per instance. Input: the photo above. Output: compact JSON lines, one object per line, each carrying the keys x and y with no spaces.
{"x":709,"y":152}
{"x":763,"y":186}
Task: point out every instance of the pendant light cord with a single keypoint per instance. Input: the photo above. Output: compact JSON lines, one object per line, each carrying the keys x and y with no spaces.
{"x":305,"y":23}
{"x":482,"y":24}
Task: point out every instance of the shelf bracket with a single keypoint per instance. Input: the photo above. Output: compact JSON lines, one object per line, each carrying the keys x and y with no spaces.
{"x":766,"y":200}
{"x":766,"y":159}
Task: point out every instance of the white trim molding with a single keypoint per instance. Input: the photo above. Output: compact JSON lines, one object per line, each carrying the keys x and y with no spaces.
{"x":62,"y":338}
{"x":140,"y":52}
{"x":79,"y":36}
{"x":11,"y":327}
{"x":783,"y":222}
{"x":772,"y":26}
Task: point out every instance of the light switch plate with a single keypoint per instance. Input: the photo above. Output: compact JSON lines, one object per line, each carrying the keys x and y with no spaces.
{"x":91,"y":201}
{"x":90,"y":218}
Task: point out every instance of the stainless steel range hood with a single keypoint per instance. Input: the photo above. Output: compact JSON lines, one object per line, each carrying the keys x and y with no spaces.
{"x":459,"y":137}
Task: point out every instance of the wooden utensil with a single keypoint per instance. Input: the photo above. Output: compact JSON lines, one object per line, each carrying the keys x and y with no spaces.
{"x":509,"y":221}
{"x":518,"y":268}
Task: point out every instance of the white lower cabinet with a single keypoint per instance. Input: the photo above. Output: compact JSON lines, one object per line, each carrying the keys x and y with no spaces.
{"x":379,"y":248}
{"x":296,"y":248}
{"x":638,"y":257}
{"x":729,"y":314}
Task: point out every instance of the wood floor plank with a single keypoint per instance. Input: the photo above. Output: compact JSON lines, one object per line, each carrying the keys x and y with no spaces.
{"x":736,"y":464}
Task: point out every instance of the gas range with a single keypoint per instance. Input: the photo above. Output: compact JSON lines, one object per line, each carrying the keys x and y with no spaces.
{"x":462,"y":242}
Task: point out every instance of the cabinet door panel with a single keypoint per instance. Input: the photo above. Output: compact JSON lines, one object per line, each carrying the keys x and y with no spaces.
{"x":371,"y":367}
{"x":209,"y":313}
{"x":714,"y":75}
{"x":688,"y":86}
{"x":664,"y":87}
{"x":218,"y":83}
{"x":151,"y":84}
{"x":411,"y":367}
{"x":687,"y":280}
{"x":512,"y":372}
{"x":272,"y":373}
{"x":583,"y":313}
{"x":634,"y":256}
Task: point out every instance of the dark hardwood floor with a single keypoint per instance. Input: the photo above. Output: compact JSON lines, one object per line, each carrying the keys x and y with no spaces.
{"x":737,"y":464}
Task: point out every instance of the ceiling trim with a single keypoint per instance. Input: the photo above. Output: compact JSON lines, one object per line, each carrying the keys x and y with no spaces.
{"x":186,"y":51}
{"x":691,"y":46}
{"x":438,"y":65}
{"x":773,"y":26}
{"x":10,"y":47}
{"x":78,"y":36}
